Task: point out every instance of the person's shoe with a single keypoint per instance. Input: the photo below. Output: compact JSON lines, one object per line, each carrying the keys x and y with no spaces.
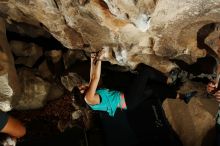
{"x":187,"y":96}
{"x":173,"y":75}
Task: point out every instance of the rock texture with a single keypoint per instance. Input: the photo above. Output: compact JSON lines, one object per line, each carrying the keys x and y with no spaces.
{"x":27,"y":53}
{"x":34,"y":91}
{"x":148,"y":31}
{"x":131,"y":32}
{"x":193,"y":122}
{"x":9,"y":82}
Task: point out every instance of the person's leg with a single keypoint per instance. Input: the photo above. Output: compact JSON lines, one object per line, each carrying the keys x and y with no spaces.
{"x":117,"y":130}
{"x":163,"y":91}
{"x":141,"y":80}
{"x":153,"y":74}
{"x":154,"y":90}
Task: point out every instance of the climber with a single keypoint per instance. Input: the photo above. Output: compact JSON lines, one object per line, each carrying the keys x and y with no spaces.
{"x":11,"y":126}
{"x":146,"y":83}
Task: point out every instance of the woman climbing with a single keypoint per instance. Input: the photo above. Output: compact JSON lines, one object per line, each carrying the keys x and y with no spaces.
{"x":146,"y":84}
{"x":118,"y":107}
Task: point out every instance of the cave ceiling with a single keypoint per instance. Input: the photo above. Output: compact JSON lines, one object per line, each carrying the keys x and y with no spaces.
{"x":147,"y":31}
{"x":159,"y":33}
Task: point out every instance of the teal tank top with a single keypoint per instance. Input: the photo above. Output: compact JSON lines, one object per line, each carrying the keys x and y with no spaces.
{"x":110,"y":99}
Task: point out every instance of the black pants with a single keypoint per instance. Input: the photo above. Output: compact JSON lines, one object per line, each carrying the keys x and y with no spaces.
{"x":146,"y":117}
{"x":117,"y":129}
{"x":133,"y":126}
{"x":148,"y":83}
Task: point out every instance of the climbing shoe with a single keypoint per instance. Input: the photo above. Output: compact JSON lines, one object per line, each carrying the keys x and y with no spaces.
{"x":187,"y":96}
{"x":173,"y":75}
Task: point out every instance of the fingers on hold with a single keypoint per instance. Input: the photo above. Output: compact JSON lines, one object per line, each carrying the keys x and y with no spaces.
{"x":100,"y":52}
{"x":210,"y":89}
{"x":98,"y":55}
{"x":93,"y":55}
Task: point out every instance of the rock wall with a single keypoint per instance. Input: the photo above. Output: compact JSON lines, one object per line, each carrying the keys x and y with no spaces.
{"x":9,"y":82}
{"x":148,"y":31}
{"x":193,"y":122}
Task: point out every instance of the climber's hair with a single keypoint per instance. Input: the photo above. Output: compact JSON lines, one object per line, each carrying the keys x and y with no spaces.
{"x":79,"y":97}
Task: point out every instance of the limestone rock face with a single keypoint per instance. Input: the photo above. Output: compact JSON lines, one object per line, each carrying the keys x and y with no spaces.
{"x":131,"y":32}
{"x":145,"y":31}
{"x":213,"y":42}
{"x":6,"y":93}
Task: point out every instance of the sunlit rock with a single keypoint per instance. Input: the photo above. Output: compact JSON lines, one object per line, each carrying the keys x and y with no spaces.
{"x":122,"y":25}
